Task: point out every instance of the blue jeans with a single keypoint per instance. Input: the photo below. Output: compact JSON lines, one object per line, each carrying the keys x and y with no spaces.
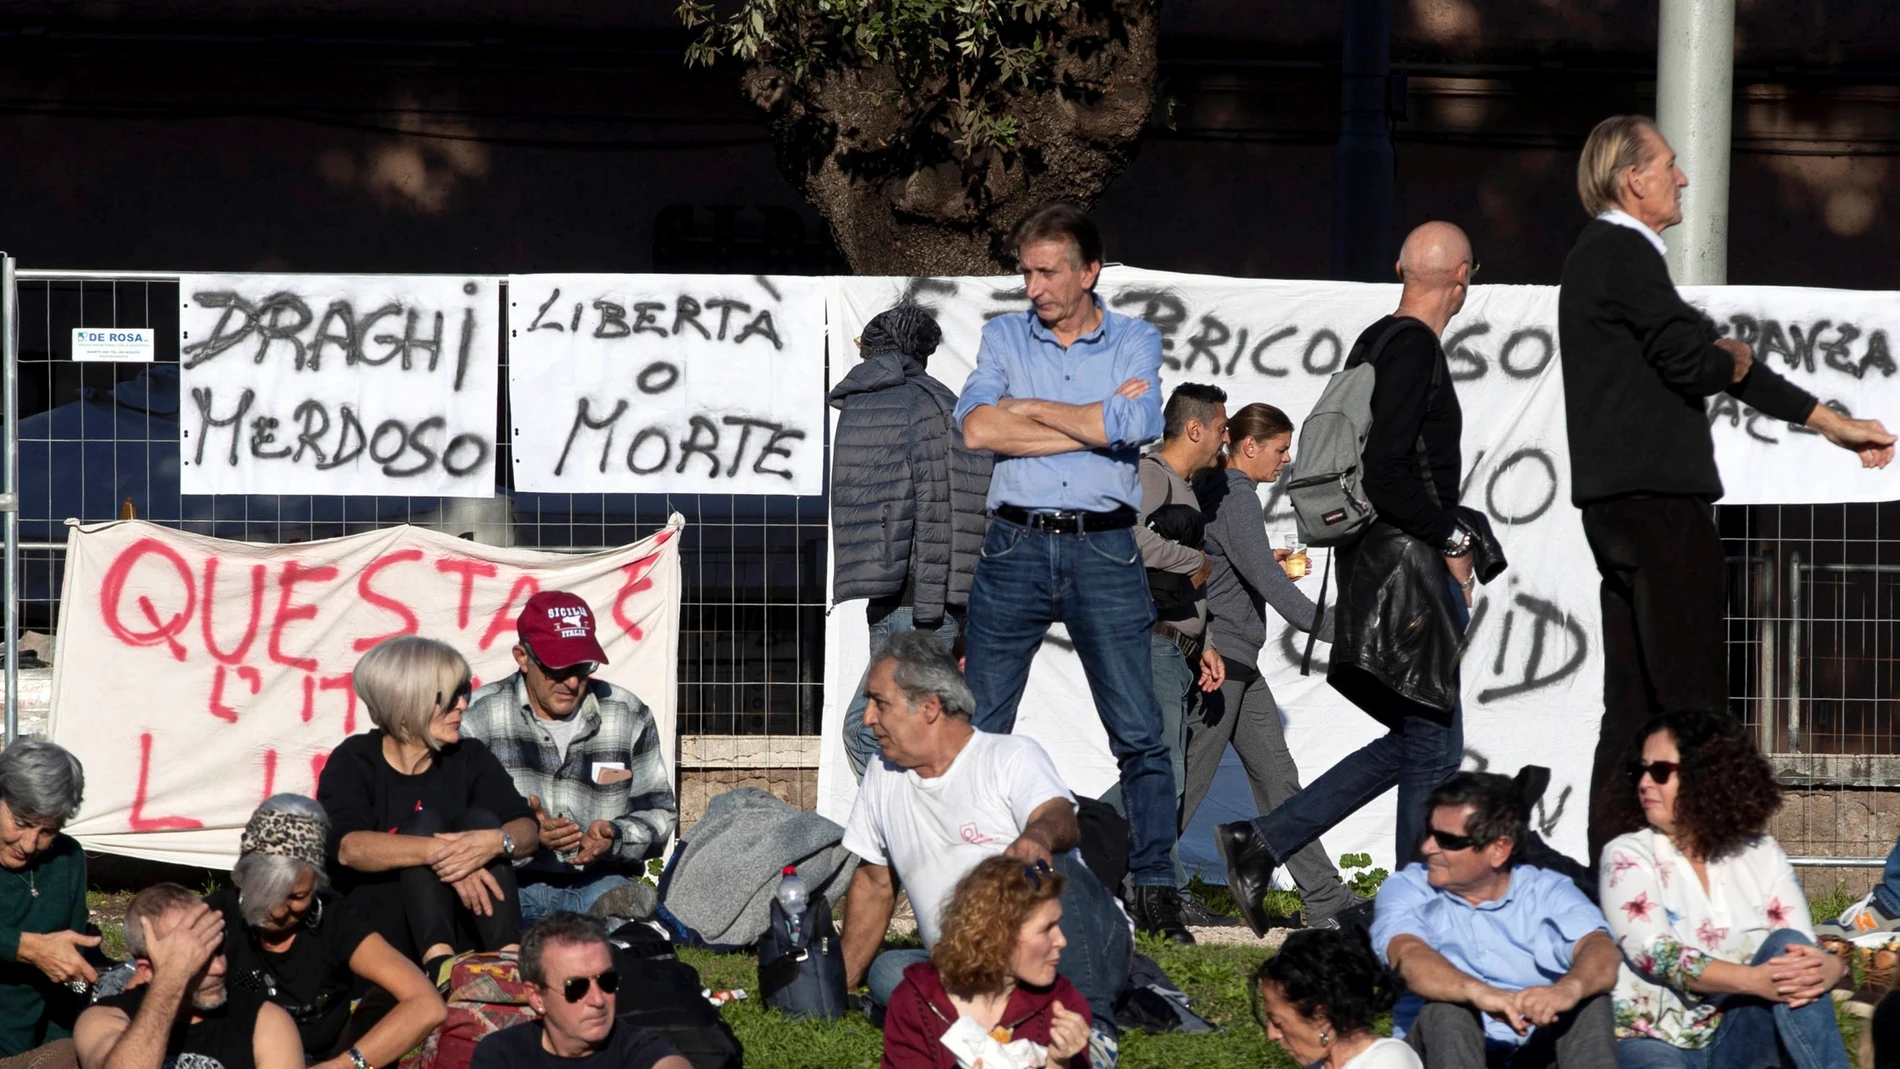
{"x":1887,"y":891}
{"x":859,"y":744}
{"x":1753,"y":1034}
{"x":1100,"y":952}
{"x":539,"y":898}
{"x":1417,"y":755}
{"x":1176,"y":683}
{"x":1094,"y":583}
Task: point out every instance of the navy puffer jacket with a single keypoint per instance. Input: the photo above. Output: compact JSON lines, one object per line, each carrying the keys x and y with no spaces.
{"x":907,"y":499}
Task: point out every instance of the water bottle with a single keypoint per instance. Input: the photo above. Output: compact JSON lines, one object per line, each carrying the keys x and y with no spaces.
{"x":791,"y":899}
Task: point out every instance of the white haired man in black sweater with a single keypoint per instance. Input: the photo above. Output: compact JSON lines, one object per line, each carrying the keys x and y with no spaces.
{"x":1638,"y":363}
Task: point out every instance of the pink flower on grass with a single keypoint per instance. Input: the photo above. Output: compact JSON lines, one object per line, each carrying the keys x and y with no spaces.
{"x":1640,"y":907}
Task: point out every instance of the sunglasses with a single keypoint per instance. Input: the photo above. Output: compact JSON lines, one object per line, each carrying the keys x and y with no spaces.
{"x":1035,"y":873}
{"x":583,"y":670}
{"x":455,"y":695}
{"x":1452,"y":843}
{"x":575,"y":989}
{"x":1659,"y":772}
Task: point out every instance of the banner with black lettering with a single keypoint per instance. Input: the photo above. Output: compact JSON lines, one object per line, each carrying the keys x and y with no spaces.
{"x":682,"y":384}
{"x":338,"y":384}
{"x":1532,"y":674}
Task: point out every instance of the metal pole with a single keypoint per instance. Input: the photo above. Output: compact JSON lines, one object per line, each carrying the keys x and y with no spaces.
{"x":1363,"y":250}
{"x":10,"y":483}
{"x":1695,"y":92}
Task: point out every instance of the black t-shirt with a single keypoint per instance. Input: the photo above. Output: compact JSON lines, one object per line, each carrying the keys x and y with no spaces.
{"x":519,"y":1047}
{"x":221,"y":1041}
{"x":312,"y":979}
{"x":1405,"y":407}
{"x":362,"y":793}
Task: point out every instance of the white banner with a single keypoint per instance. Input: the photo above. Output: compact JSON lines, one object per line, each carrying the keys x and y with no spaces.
{"x":197,"y":676}
{"x":656,"y":384}
{"x":1533,"y":676}
{"x":338,"y":384}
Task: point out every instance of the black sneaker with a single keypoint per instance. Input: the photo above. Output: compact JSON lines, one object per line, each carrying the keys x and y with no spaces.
{"x":1198,"y":914}
{"x":1158,"y":910}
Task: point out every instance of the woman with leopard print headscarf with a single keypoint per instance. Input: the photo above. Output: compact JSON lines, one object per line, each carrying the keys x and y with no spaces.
{"x":288,"y":937}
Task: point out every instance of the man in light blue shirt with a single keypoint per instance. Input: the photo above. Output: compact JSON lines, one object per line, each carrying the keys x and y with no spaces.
{"x":1505,"y":965}
{"x":1065,"y":395}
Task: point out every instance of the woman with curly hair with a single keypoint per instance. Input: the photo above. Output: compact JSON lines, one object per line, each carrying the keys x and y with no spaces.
{"x":995,"y":964}
{"x":1719,"y":962}
{"x":1319,"y":997}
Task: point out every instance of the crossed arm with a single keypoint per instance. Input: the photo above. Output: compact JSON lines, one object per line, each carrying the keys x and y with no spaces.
{"x":1032,"y":427}
{"x":1425,"y":971}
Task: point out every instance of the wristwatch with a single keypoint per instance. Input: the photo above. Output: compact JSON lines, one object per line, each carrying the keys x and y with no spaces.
{"x":507,"y":846}
{"x":1458,"y":543}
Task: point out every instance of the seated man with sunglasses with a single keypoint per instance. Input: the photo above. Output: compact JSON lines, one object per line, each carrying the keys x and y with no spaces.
{"x":1506,"y":965}
{"x":571,"y":980}
{"x":586,"y":755}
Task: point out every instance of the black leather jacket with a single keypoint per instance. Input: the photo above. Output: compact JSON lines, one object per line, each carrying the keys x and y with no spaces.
{"x":1397,"y":631}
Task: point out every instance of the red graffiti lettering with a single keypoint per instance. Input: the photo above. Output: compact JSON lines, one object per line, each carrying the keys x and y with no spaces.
{"x":410,"y":625}
{"x":309,"y":698}
{"x":637,"y":581}
{"x":270,"y":773}
{"x":468,"y":570}
{"x":250,"y":628}
{"x":218,"y":708}
{"x":343,"y":684}
{"x":503,"y":622}
{"x":112,"y":592}
{"x":138,"y":819}
{"x":295,"y":573}
{"x":317,"y":761}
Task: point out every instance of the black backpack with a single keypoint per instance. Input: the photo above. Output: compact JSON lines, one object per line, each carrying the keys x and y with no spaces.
{"x":663,"y":995}
{"x":1182,"y":524}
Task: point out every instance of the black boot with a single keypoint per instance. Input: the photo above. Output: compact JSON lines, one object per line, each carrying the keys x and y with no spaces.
{"x":1158,"y":910}
{"x":1250,"y":868}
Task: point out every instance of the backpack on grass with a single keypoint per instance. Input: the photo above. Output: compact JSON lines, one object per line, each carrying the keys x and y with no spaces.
{"x":1327,"y":491}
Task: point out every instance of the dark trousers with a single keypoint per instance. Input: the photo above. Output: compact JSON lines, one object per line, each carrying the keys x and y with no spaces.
{"x":1663,"y":626}
{"x":416,"y":910}
{"x":1450,"y":1035}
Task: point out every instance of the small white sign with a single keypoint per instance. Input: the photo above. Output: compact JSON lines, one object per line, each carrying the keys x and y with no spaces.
{"x":127,"y":344}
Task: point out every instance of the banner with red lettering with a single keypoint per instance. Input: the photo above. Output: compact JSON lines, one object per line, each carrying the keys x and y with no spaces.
{"x":196,"y":676}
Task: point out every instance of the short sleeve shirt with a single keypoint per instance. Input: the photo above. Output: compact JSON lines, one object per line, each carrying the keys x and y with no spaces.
{"x":519,"y":1047}
{"x":933,"y":831}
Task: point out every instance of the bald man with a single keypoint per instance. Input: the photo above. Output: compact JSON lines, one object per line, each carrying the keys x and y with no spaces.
{"x":1411,"y":464}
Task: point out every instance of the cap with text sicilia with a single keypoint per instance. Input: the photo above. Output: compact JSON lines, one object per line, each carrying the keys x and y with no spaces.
{"x":558,"y":628}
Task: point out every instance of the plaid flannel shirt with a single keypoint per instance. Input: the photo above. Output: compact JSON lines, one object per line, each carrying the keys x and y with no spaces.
{"x":615,"y":727}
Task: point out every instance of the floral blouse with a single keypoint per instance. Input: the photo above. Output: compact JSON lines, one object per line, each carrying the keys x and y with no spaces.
{"x":1669,"y":929}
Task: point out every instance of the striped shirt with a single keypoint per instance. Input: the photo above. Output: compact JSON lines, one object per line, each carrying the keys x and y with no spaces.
{"x":614,"y":730}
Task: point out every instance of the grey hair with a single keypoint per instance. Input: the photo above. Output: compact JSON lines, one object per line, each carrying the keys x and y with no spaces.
{"x":152,"y":904}
{"x":924,"y":669}
{"x":563,"y":927}
{"x":40,"y":782}
{"x":404,"y":681}
{"x":263,"y":880}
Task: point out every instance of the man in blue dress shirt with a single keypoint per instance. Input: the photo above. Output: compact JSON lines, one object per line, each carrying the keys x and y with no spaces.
{"x":1065,"y":395}
{"x":1503,"y":964}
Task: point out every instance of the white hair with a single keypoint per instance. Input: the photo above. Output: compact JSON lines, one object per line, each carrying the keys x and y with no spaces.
{"x":263,"y":880}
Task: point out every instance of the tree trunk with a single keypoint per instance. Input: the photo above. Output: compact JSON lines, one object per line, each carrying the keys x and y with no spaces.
{"x":930,"y":209}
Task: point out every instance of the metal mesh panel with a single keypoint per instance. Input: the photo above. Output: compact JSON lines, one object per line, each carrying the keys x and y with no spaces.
{"x":1813,"y":647}
{"x":97,"y":436}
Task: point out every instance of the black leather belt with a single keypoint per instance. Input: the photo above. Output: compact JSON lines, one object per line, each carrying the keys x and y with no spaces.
{"x":1068,"y":522}
{"x":1189,"y":645}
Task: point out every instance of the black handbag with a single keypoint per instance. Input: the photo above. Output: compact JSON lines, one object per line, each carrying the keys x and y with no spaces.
{"x":664,"y":997}
{"x":805,"y":981}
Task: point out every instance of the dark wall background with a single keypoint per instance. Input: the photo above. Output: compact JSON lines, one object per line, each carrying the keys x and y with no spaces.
{"x":496,"y":135}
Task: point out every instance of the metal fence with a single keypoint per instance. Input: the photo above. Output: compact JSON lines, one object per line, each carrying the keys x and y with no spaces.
{"x":98,"y":440}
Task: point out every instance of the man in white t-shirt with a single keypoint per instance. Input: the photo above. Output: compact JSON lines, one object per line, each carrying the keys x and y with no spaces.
{"x":946,"y":797}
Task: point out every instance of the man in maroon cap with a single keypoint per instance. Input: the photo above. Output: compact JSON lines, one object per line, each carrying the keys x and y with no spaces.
{"x":585,"y":752}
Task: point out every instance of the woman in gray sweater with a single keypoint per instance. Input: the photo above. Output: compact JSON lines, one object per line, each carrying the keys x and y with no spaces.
{"x":1247,"y":577}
